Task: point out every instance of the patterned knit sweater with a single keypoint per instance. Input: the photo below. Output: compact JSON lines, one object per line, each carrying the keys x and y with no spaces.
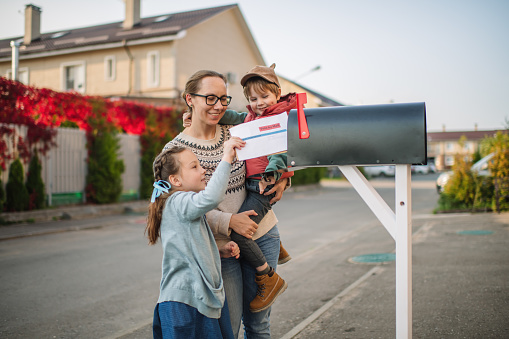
{"x":209,"y":153}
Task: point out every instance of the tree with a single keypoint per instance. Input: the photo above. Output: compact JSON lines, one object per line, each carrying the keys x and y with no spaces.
{"x":16,"y":191}
{"x":35,"y":184}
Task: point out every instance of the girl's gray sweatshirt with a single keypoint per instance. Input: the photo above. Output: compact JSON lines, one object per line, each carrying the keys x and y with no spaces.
{"x":191,"y":267}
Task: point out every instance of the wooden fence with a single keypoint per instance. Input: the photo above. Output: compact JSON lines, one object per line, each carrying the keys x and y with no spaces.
{"x":64,"y":168}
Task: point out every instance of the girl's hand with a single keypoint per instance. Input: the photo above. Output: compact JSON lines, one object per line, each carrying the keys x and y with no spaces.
{"x":231,"y":249}
{"x":279,"y":188}
{"x":243,"y":225}
{"x":186,"y":119}
{"x":230,"y":146}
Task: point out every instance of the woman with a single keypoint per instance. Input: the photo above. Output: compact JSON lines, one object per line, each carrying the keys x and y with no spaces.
{"x":205,"y":95}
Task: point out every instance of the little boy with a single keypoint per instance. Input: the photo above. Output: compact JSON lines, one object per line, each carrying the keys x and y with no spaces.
{"x":263,"y":92}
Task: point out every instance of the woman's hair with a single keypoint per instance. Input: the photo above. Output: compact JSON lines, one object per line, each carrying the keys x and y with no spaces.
{"x":259,"y":85}
{"x":193,"y":84}
{"x":165,"y":164}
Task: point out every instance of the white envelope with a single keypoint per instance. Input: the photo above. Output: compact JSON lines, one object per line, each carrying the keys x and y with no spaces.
{"x":262,"y":136}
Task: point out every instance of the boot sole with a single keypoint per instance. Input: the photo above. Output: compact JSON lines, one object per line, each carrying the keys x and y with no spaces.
{"x":278,"y":293}
{"x":284,"y":260}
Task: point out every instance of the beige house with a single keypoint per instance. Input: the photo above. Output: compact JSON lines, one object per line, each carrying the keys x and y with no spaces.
{"x":147,"y":59}
{"x":444,"y":146}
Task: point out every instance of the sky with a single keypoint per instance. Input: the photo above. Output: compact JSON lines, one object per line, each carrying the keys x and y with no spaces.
{"x":451,"y":54}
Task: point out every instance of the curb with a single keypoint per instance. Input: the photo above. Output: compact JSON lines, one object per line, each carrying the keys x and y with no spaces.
{"x":74,"y":212}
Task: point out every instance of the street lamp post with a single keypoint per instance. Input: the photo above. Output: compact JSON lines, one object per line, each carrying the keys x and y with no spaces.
{"x":314,"y":69}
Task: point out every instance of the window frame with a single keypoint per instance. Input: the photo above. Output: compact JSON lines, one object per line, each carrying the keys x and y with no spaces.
{"x":153,"y":69}
{"x":25,"y":70}
{"x":107,"y":76}
{"x":63,"y":80}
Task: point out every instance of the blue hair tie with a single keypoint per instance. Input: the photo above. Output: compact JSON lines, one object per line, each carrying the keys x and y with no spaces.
{"x":160,"y":187}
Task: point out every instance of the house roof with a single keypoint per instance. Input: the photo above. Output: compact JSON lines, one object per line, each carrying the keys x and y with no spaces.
{"x":455,"y":136}
{"x":325,"y":100}
{"x":152,"y":27}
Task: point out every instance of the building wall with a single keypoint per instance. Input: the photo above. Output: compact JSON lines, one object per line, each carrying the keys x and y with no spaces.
{"x":219,"y":44}
{"x":444,"y":152}
{"x":288,"y":87}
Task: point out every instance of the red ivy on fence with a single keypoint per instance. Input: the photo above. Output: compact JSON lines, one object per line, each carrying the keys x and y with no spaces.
{"x":42,"y":109}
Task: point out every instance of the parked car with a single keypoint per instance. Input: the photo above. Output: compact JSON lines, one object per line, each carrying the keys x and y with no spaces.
{"x":386,"y":170}
{"x":480,"y":167}
{"x":424,"y":169}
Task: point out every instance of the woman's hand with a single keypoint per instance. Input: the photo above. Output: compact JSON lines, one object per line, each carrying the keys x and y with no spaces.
{"x":243,"y":225}
{"x":279,"y":188}
{"x":231,"y":249}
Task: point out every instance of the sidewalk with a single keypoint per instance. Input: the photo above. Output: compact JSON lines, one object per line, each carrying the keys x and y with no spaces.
{"x":460,"y":286}
{"x":67,"y":218}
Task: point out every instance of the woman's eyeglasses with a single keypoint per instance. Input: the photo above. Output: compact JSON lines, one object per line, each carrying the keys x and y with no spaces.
{"x":212,"y":99}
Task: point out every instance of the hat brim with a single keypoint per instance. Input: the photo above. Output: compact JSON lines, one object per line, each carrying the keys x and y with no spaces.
{"x":248,"y":76}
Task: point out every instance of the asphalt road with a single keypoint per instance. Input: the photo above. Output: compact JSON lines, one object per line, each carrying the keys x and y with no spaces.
{"x":103,"y":282}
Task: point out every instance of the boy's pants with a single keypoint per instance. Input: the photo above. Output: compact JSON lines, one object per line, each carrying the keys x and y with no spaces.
{"x":260,"y":203}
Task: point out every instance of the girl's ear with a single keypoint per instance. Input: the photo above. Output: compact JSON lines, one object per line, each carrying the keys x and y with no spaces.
{"x":278,"y":96}
{"x":174,"y":180}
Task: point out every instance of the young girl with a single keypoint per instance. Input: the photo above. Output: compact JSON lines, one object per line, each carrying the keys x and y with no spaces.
{"x":191,"y":297}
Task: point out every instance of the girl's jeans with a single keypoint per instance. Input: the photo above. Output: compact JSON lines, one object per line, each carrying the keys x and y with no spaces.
{"x":240,"y":288}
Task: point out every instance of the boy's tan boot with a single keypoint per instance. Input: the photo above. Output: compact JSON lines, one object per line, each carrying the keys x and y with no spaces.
{"x":270,"y":286}
{"x":284,"y":257}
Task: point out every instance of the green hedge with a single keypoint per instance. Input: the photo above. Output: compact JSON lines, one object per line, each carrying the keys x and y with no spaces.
{"x":308,"y":176}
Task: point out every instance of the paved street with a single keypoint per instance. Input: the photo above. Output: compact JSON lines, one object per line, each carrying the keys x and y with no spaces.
{"x":102,"y":281}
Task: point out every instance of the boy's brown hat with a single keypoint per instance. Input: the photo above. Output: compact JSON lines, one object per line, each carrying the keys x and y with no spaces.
{"x":264,"y":72}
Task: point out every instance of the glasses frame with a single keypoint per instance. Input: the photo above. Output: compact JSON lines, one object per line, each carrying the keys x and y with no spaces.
{"x":228,"y":98}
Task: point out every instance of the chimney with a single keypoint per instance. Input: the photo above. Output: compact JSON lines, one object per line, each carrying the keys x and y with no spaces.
{"x":443,"y":128}
{"x":475,"y":127}
{"x":132,"y":13}
{"x":32,"y":24}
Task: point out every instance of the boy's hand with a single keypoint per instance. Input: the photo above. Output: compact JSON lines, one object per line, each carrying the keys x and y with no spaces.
{"x":186,"y":119}
{"x":230,"y":146}
{"x":279,"y":188}
{"x":266,"y":181}
{"x":231,"y":249}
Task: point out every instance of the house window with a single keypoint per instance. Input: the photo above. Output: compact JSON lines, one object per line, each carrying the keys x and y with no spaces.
{"x":449,"y":160}
{"x":73,"y":76}
{"x":468,"y":146}
{"x":449,"y":146}
{"x":22,"y":75}
{"x":110,"y":68}
{"x":153,"y":69}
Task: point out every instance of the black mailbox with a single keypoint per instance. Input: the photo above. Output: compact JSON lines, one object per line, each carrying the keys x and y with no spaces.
{"x":359,"y":135}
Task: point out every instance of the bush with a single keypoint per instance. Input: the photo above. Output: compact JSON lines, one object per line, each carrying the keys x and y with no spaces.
{"x":151,"y":149}
{"x":469,"y":191}
{"x":104,"y":178}
{"x":161,"y":127}
{"x":35,"y":185}
{"x":16,"y":191}
{"x":307,"y":176}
